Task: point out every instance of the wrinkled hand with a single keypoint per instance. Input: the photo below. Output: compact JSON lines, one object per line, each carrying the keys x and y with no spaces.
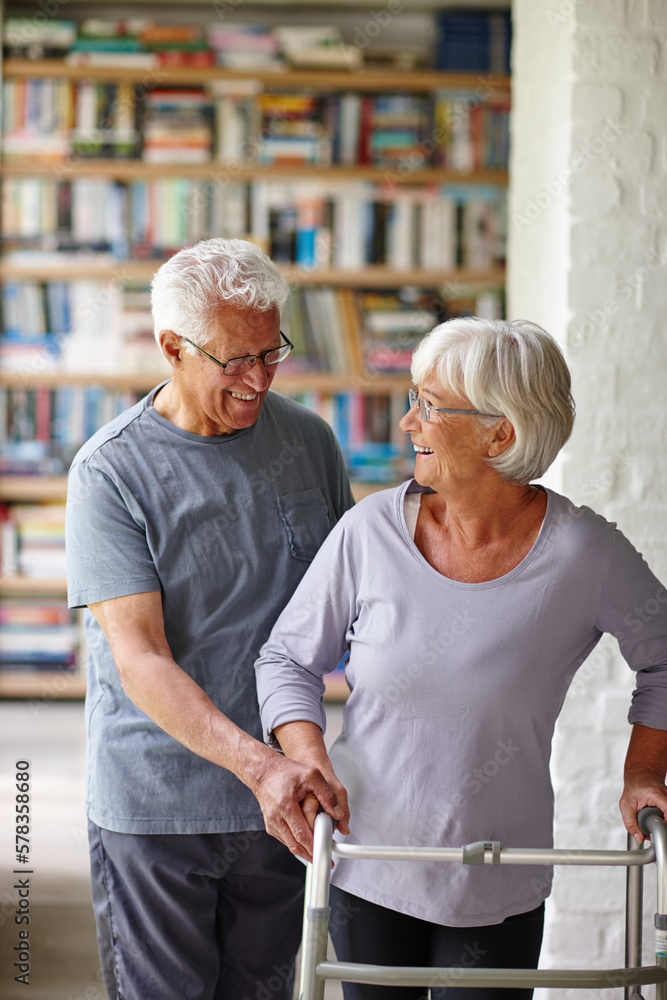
{"x":642,"y":788}
{"x":310,"y":805}
{"x":282,"y":786}
{"x":310,"y":808}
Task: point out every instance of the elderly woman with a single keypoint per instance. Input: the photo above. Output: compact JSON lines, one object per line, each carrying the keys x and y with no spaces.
{"x":467,"y":598}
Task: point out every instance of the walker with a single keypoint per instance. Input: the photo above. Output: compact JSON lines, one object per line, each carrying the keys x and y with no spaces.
{"x":315,"y":968}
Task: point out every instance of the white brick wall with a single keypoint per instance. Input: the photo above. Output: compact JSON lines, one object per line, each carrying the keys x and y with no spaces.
{"x":589,"y":262}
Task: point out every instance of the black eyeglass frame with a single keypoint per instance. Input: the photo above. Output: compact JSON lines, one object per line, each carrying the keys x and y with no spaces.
{"x":253,"y":358}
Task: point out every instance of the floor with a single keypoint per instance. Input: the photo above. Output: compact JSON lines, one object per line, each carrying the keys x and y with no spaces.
{"x":63,"y":964}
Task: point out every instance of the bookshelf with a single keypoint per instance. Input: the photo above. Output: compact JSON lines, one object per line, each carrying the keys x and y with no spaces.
{"x":381,"y":80}
{"x":372,"y":276}
{"x":351,"y":281}
{"x":42,"y":687}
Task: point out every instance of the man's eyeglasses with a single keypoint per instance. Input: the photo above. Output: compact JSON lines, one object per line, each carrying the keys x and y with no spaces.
{"x":239,"y":366}
{"x":425,"y":409}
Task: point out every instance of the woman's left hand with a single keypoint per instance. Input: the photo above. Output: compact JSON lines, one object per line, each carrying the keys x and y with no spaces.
{"x":645,"y":768}
{"x":645,"y":789}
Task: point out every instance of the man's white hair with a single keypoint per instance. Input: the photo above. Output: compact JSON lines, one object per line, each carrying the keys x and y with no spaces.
{"x":189,"y":288}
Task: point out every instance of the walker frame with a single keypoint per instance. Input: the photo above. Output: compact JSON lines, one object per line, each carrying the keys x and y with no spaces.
{"x":315,"y":969}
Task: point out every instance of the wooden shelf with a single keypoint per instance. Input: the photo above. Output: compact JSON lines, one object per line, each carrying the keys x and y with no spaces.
{"x":59,"y":685}
{"x":375,"y":276}
{"x":122,"y":270}
{"x":379,"y":80}
{"x":32,"y":586}
{"x":29,"y":489}
{"x":45,"y":685}
{"x":369,"y":385}
{"x":137,"y":170}
{"x":138,"y":382}
{"x":335,"y":687}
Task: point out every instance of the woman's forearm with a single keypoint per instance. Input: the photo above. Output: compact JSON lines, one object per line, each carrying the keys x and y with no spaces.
{"x":304,"y":742}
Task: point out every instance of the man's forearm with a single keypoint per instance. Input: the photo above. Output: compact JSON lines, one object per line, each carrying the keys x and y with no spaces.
{"x":151,"y":678}
{"x":172,"y":699}
{"x":161,"y":689}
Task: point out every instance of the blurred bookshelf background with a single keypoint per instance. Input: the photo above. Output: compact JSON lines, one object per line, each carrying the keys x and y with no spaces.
{"x":365,"y":150}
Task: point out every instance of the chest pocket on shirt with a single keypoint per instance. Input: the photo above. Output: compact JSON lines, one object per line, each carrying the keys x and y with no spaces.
{"x":306,"y":518}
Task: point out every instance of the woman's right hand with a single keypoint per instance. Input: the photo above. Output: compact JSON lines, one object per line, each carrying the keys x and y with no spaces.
{"x":303,"y":741}
{"x":310,"y":805}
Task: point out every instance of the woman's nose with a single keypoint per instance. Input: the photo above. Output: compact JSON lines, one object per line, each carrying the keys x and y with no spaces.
{"x":409,"y":422}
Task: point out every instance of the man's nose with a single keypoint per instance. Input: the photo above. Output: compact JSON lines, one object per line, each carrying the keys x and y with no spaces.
{"x":257,"y":377}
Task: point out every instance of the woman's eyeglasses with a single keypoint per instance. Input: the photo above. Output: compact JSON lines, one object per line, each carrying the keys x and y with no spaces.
{"x":425,"y":409}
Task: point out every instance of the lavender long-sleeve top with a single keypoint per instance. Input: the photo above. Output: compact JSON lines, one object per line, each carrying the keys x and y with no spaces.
{"x":454,"y":692}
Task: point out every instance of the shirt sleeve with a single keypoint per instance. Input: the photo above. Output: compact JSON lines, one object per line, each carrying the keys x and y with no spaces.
{"x":107,"y":550}
{"x":308,"y":640}
{"x":633,"y":608}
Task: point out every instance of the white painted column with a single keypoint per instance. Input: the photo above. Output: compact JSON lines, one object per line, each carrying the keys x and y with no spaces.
{"x":587,"y":260}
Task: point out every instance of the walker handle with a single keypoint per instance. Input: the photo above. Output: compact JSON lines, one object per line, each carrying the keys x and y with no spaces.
{"x":648,"y":812}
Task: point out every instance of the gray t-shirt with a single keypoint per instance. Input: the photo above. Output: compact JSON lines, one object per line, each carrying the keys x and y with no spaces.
{"x":225,"y":528}
{"x":455,"y":690}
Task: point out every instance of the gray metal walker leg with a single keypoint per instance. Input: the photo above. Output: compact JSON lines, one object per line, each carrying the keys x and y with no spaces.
{"x":651,"y":824}
{"x":634,"y":897}
{"x":316,"y":918}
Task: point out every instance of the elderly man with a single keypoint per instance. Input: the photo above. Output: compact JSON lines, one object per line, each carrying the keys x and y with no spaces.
{"x":191,"y":519}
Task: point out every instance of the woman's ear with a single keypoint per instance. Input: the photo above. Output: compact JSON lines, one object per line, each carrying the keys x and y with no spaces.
{"x":501,"y":437}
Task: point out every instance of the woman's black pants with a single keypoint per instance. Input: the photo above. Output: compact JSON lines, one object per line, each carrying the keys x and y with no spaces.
{"x":371,"y":934}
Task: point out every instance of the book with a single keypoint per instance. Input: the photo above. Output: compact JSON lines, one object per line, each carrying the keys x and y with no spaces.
{"x":473,"y":41}
{"x":244,"y":46}
{"x":317,"y":46}
{"x":38,"y":38}
{"x":178,"y":126}
{"x":455,"y":129}
{"x":344,"y":225}
{"x":392,"y":324}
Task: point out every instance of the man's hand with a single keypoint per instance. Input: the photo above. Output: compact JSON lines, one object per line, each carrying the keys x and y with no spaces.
{"x":645,"y":767}
{"x":282,"y":785}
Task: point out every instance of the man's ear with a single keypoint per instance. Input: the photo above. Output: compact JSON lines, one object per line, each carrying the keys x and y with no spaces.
{"x":502,"y":436}
{"x":171,"y":347}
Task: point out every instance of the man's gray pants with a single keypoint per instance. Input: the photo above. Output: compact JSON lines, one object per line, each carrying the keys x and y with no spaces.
{"x":196,"y":916}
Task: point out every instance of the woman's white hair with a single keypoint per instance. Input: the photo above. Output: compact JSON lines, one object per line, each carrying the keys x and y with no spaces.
{"x":515,"y":370}
{"x":189,"y":288}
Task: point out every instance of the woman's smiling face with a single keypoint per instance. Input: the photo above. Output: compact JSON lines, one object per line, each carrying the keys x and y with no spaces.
{"x":449,"y":447}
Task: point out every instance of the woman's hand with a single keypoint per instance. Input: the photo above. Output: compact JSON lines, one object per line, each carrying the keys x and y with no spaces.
{"x":311,"y":806}
{"x":303,"y":741}
{"x":282,"y":787}
{"x":641,"y":789}
{"x":645,"y":767}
